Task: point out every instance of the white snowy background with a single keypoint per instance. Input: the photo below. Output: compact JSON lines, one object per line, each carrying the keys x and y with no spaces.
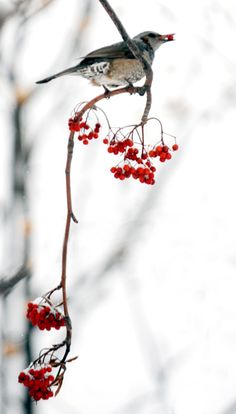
{"x":151,"y":270}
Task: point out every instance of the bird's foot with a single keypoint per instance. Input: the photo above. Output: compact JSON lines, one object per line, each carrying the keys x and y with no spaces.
{"x":130,"y":87}
{"x":142,"y":90}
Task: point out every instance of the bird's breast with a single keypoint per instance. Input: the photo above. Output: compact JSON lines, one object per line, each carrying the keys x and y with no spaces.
{"x":130,"y":70}
{"x":113,"y":72}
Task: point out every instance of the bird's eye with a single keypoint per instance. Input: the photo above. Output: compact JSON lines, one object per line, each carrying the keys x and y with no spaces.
{"x":152,"y":35}
{"x":144,"y":39}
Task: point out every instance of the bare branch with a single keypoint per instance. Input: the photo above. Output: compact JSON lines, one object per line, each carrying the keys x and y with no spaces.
{"x":7,"y":284}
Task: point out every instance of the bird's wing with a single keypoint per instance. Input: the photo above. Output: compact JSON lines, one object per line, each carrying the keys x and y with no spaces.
{"x":117,"y":50}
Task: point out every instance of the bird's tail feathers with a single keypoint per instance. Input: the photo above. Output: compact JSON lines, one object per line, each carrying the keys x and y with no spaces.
{"x":57,"y":75}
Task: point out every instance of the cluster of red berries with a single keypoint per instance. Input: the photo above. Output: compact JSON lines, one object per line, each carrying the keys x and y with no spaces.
{"x":132,"y":156}
{"x":144,"y":174}
{"x":44,"y":316}
{"x":38,"y":381}
{"x":144,"y":171}
{"x":162,"y":151}
{"x":116,"y":147}
{"x":86,"y":132}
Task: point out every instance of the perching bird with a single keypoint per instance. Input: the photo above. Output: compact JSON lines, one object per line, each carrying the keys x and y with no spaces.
{"x":115,"y":65}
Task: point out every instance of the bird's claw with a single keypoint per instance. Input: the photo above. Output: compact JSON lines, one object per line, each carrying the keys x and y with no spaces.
{"x":142,"y":90}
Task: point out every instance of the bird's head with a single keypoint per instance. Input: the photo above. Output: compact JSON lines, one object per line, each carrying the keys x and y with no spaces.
{"x":154,"y":40}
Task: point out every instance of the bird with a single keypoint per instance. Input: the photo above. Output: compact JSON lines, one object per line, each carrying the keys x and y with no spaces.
{"x":115,"y":65}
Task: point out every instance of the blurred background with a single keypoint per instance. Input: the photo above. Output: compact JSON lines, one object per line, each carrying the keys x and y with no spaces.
{"x":151,"y":269}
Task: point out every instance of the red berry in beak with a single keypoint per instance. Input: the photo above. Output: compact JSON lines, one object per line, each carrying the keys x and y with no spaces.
{"x":170,"y":37}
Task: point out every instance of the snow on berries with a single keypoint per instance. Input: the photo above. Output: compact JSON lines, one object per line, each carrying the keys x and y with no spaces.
{"x":38,"y":380}
{"x":44,"y":315}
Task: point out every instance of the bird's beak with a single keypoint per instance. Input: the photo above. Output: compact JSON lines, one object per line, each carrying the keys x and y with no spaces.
{"x":167,"y":37}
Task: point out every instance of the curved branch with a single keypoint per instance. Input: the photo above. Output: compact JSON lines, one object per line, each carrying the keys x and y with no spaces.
{"x":130,"y":43}
{"x":136,"y":52}
{"x":140,"y":90}
{"x":146,"y":88}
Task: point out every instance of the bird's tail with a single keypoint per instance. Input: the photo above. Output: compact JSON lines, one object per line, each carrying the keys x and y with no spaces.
{"x":74,"y":69}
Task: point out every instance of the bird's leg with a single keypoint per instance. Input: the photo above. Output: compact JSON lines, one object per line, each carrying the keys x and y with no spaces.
{"x":107,"y":91}
{"x":130,"y":85}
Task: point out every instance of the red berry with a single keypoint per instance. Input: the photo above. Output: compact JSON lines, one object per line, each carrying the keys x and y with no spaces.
{"x":152,"y":153}
{"x":126,"y":167}
{"x":105,"y":141}
{"x":129,"y":142}
{"x":163,"y":155}
{"x":175,"y":147}
{"x":165,"y":148}
{"x":21,"y":377}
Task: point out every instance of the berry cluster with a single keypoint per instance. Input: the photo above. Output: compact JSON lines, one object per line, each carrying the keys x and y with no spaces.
{"x":128,"y":142}
{"x":144,"y":174}
{"x":38,"y":381}
{"x":44,"y":316}
{"x":136,"y":165}
{"x":86,"y":132}
{"x":116,"y":147}
{"x":162,"y":151}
